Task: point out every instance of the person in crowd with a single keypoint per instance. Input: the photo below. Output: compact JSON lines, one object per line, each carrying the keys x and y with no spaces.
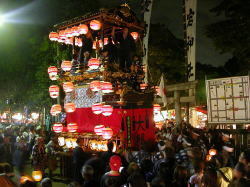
{"x":180,"y":178}
{"x":46,"y":182}
{"x":113,"y":177}
{"x":88,"y":176}
{"x":2,"y":150}
{"x":209,"y":178}
{"x":19,"y":155}
{"x":106,"y":155}
{"x":39,"y":156}
{"x":196,"y":179}
{"x":79,"y":158}
{"x":136,"y":179}
{"x":239,"y":174}
{"x":244,"y":158}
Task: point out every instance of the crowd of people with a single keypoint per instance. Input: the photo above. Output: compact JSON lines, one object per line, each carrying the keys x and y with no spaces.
{"x":177,"y":158}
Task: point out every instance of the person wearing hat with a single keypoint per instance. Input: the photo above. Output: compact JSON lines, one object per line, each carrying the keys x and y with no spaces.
{"x":113,"y":177}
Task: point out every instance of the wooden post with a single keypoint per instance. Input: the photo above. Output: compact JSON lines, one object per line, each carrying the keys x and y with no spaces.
{"x":177,"y":106}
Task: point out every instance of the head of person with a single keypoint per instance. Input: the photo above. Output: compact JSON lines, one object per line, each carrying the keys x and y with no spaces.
{"x":210,"y":178}
{"x":87,"y":172}
{"x":146,"y":165}
{"x":46,"y":182}
{"x":239,"y":171}
{"x":136,"y":179}
{"x":245,"y":157}
{"x":125,"y":30}
{"x":180,"y":173}
{"x":115,"y":163}
{"x":80,"y":141}
{"x":225,"y":137}
{"x":199,"y":166}
{"x":40,"y":140}
{"x":132,"y":167}
{"x":110,"y":145}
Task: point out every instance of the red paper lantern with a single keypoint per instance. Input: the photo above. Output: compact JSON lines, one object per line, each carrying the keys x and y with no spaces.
{"x":54,"y":91}
{"x":57,"y":127}
{"x":107,"y":110}
{"x":68,"y":87}
{"x":97,"y":108}
{"x":135,"y":35}
{"x":72,"y":127}
{"x":98,"y":129}
{"x":55,"y":110}
{"x":68,"y":32}
{"x":83,"y":29}
{"x":143,"y":86}
{"x":53,"y":36}
{"x":95,"y":25}
{"x":66,"y":65}
{"x":212,"y":152}
{"x":78,"y":42}
{"x":157,"y":108}
{"x":70,"y":107}
{"x":106,"y":41}
{"x":107,"y":133}
{"x":75,"y":31}
{"x":62,"y":35}
{"x":106,"y":87}
{"x":94,"y":63}
{"x":95,"y":86}
{"x":52,"y":70}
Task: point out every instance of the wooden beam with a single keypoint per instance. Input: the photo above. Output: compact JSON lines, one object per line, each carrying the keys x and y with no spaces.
{"x":182,"y":86}
{"x":170,"y":100}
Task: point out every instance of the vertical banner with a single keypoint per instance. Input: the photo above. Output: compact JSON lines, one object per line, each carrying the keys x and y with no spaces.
{"x":190,"y":39}
{"x":147,"y":8}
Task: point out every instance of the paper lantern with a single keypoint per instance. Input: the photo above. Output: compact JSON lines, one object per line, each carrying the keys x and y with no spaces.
{"x":57,"y":127}
{"x":143,"y":86}
{"x":37,"y":175}
{"x":212,"y":152}
{"x":97,"y":108}
{"x":68,"y":87}
{"x":69,"y":107}
{"x":95,"y":86}
{"x":72,"y":127}
{"x":62,"y":35}
{"x":66,"y":65}
{"x":95,"y":25}
{"x":75,"y":31}
{"x":78,"y":42}
{"x":54,"y":91}
{"x":53,"y":36}
{"x":94,"y":45}
{"x":55,"y":110}
{"x":135,"y":35}
{"x":208,"y":157}
{"x":34,"y":115}
{"x":93,"y":63}
{"x":83,"y":29}
{"x":98,"y":129}
{"x":24,"y":179}
{"x":52,"y":71}
{"x":107,"y":133}
{"x":107,"y":110}
{"x":156,"y":108}
{"x":106,"y":41}
{"x":68,"y":32}
{"x":106,"y":87}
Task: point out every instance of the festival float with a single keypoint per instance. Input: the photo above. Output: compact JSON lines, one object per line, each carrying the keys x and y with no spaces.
{"x":102,"y":99}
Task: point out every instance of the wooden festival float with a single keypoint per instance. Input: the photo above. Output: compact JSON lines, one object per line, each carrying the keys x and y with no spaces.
{"x":101,"y":101}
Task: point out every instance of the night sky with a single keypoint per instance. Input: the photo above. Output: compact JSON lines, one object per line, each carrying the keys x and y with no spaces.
{"x":168,"y":12}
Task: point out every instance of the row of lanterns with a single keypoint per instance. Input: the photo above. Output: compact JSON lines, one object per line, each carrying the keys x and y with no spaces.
{"x":105,"y":87}
{"x":103,"y":131}
{"x":99,"y":108}
{"x":58,"y":127}
{"x":57,"y":109}
{"x":54,"y":90}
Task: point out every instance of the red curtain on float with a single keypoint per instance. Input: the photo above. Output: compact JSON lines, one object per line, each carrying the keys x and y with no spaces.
{"x":134,"y":125}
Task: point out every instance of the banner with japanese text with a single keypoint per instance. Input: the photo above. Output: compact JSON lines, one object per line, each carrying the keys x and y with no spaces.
{"x":190,"y":25}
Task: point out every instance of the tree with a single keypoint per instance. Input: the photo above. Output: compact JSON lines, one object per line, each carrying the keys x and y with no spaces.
{"x":232,"y":34}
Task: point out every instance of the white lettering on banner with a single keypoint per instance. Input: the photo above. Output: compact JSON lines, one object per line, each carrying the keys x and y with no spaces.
{"x":190,"y":21}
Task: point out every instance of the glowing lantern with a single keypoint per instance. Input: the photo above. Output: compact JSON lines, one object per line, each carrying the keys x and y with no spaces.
{"x":157,"y":108}
{"x":54,"y":91}
{"x":37,"y":175}
{"x":70,"y":107}
{"x":208,"y":157}
{"x":107,"y":133}
{"x":97,"y":108}
{"x":78,"y":42}
{"x":83,"y":29}
{"x":66,"y":65}
{"x":62,"y":35}
{"x":72,"y":127}
{"x":100,"y":43}
{"x":212,"y":152}
{"x":135,"y":35}
{"x":34,"y":115}
{"x":143,"y":86}
{"x":68,"y":87}
{"x":75,"y":31}
{"x":53,"y":36}
{"x":68,"y":32}
{"x":57,"y":127}
{"x":55,"y":110}
{"x":94,"y":45}
{"x":106,"y":87}
{"x":95,"y":86}
{"x":61,"y":141}
{"x":107,"y":110}
{"x":68,"y":41}
{"x":52,"y":70}
{"x":98,"y":129}
{"x":17,"y":116}
{"x":95,"y":25}
{"x":24,"y":179}
{"x":159,"y":125}
{"x":106,"y":41}
{"x":93,"y":63}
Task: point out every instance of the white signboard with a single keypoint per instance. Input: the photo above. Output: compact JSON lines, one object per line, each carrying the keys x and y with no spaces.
{"x":228,"y":100}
